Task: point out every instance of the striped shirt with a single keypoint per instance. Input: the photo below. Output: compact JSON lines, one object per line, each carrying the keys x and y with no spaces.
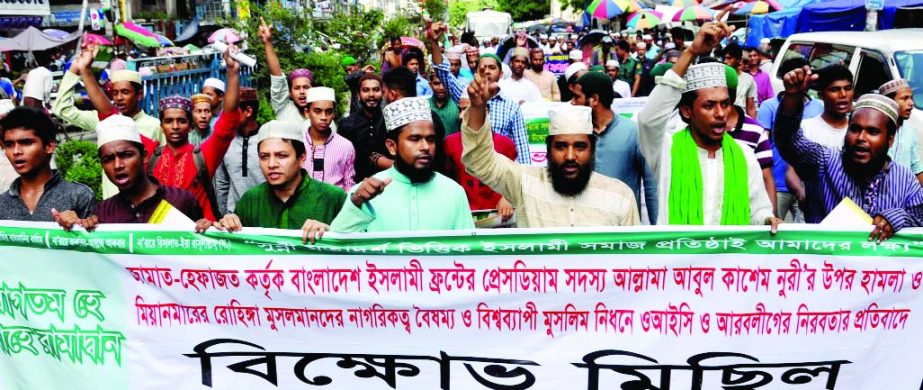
{"x":893,"y":193}
{"x":334,"y":160}
{"x":504,"y":114}
{"x":750,"y":133}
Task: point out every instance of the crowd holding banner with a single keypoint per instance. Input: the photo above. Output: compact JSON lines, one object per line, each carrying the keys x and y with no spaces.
{"x":342,"y":243}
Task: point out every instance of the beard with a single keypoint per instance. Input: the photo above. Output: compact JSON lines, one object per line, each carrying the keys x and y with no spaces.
{"x":566,"y":186}
{"x":416,"y":175}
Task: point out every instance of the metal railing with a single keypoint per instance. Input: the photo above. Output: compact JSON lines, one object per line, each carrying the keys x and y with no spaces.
{"x":191,"y":71}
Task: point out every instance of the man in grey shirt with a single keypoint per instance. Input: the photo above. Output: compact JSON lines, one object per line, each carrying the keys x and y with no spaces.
{"x":240,"y":168}
{"x":40,"y":193}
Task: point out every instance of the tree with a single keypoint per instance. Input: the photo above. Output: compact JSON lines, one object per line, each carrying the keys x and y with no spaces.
{"x":459,"y":8}
{"x":522,"y":10}
{"x":437,"y":9}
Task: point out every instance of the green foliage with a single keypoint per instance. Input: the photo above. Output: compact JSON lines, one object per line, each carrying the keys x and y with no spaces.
{"x":78,"y":161}
{"x":356,"y":33}
{"x":437,"y":9}
{"x":523,"y":10}
{"x":576,"y":5}
{"x":397,"y":27}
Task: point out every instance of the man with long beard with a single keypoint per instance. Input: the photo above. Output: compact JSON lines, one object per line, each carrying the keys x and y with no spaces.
{"x":360,"y":126}
{"x":410,"y":195}
{"x":565,"y":194}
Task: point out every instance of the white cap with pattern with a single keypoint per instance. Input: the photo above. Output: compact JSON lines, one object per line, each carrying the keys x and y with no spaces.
{"x":570,"y":119}
{"x":880,"y":103}
{"x":276,"y":129}
{"x":117,"y":128}
{"x":710,"y":75}
{"x":125,"y":75}
{"x":893,"y":86}
{"x":407,"y":110}
{"x":214,"y":83}
{"x":317,"y":94}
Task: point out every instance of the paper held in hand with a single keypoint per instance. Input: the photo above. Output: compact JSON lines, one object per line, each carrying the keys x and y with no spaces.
{"x":166,"y":214}
{"x":847,"y":214}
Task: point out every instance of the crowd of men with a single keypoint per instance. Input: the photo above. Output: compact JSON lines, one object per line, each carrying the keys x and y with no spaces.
{"x":432,"y":138}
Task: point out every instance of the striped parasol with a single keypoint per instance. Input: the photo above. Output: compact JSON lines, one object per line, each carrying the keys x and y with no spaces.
{"x":694,"y":13}
{"x":628,"y":5}
{"x":685,"y":3}
{"x":604,"y":9}
{"x":644,"y":19}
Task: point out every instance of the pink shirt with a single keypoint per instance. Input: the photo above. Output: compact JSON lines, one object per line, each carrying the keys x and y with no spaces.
{"x":334,"y":160}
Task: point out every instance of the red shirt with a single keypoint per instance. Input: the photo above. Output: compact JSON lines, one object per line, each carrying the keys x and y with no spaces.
{"x":176,"y":168}
{"x":480,"y":196}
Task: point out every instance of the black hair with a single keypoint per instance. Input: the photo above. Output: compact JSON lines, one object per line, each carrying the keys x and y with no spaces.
{"x":603,"y":91}
{"x":687,"y":99}
{"x":255,"y":106}
{"x":403,"y":80}
{"x":733,"y":50}
{"x":299,"y":147}
{"x":394,"y":38}
{"x":830,"y":74}
{"x":30,"y":119}
{"x":411,"y":54}
{"x":468,"y":37}
{"x":708,"y":60}
{"x":792,"y":64}
{"x":623,"y":45}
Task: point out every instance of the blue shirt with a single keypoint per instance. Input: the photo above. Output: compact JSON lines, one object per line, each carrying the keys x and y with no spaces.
{"x":7,"y":86}
{"x":618,"y":155}
{"x":766,"y":116}
{"x":504,"y":115}
{"x":423,"y":88}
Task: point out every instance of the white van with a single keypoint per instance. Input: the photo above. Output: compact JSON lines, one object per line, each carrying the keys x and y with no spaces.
{"x":873,"y":58}
{"x":488,"y":24}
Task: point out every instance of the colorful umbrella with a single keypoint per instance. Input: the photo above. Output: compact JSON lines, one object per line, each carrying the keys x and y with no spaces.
{"x":164,"y":41}
{"x":55,"y":33}
{"x":755,"y":8}
{"x":685,"y":3}
{"x":411,"y":41}
{"x":628,"y":5}
{"x":604,"y":9}
{"x":129,"y":31}
{"x":694,"y":13}
{"x":228,"y":35}
{"x":93,"y":39}
{"x":644,"y":19}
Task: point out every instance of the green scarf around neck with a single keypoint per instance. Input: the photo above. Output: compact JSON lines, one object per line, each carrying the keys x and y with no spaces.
{"x":686,"y":198}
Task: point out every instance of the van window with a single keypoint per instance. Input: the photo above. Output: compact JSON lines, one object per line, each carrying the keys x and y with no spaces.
{"x":873,"y":72}
{"x":910,"y":65}
{"x":818,"y":54}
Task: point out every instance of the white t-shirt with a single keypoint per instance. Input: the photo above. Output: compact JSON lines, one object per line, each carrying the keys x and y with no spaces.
{"x":38,"y":84}
{"x":622,"y":88}
{"x":521,"y":90}
{"x":746,"y":87}
{"x":818,"y":130}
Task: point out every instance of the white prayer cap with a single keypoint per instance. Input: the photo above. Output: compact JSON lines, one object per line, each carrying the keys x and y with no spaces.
{"x":117,"y":128}
{"x":317,"y":94}
{"x":642,"y":45}
{"x":407,"y":110}
{"x":543,"y":36}
{"x":214,"y":83}
{"x":647,"y":37}
{"x":881,"y":103}
{"x":570,"y":119}
{"x":669,"y":45}
{"x":276,"y":129}
{"x":575,"y":55}
{"x":612,"y":63}
{"x":6,"y":105}
{"x":572,"y":69}
{"x":710,"y":75}
{"x":125,"y":75}
{"x":893,"y":86}
{"x":765,"y":41}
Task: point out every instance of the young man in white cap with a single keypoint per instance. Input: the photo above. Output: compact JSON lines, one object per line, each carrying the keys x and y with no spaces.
{"x":121,"y":153}
{"x":330,"y":156}
{"x":127,"y":95}
{"x":565,"y":194}
{"x":904,"y":150}
{"x":39,"y":192}
{"x":862,"y":172}
{"x":214,"y":88}
{"x":545,"y":81}
{"x":289,"y":199}
{"x":518,"y":88}
{"x":565,"y":82}
{"x":618,"y":86}
{"x":704,"y":176}
{"x":410,"y":195}
{"x":505,"y":114}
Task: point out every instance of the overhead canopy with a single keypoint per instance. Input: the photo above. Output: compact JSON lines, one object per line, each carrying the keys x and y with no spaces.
{"x":847,"y":15}
{"x":776,"y":24}
{"x":33,"y":39}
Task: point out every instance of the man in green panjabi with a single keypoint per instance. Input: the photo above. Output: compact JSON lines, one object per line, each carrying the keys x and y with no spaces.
{"x":289,"y":199}
{"x":410,"y":195}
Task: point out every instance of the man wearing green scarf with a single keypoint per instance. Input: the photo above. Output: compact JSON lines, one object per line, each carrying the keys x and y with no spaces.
{"x":704,"y":176}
